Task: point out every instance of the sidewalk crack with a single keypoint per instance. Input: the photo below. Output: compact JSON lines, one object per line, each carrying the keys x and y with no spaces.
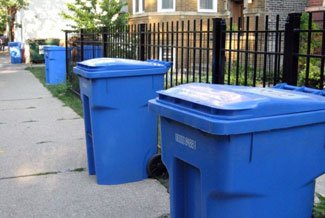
{"x":21,"y":99}
{"x":45,"y":173}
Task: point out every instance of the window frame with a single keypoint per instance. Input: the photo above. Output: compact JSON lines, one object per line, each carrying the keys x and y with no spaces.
{"x":160,"y":9}
{"x":141,"y":7}
{"x":214,"y":5}
{"x":163,"y":55}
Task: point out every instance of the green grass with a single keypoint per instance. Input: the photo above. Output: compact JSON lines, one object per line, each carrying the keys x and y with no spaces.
{"x":62,"y":91}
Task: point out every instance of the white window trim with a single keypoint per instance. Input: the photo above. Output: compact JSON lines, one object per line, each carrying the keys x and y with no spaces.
{"x":164,"y":56}
{"x":140,"y":7}
{"x":215,"y":7}
{"x":160,"y":9}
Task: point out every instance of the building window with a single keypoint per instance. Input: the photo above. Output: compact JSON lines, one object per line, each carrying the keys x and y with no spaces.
{"x":207,"y":5}
{"x":166,"y":5}
{"x":138,"y":6}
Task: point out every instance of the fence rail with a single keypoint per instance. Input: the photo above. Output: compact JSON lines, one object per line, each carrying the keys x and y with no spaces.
{"x":249,"y":51}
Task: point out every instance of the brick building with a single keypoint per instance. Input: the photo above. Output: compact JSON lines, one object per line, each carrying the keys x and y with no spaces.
{"x":144,"y":11}
{"x":314,"y":6}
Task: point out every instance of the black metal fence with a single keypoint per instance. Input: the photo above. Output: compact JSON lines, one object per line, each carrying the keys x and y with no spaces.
{"x":252,"y":51}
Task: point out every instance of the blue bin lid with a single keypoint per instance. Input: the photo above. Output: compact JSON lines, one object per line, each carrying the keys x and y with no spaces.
{"x":220,"y":105}
{"x":117,"y":67}
{"x":14,"y":44}
{"x":53,"y":48}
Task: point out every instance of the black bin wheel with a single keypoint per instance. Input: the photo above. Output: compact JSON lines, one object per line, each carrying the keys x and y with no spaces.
{"x":156,"y":168}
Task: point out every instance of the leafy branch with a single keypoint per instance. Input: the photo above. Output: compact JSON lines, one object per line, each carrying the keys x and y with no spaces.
{"x":92,"y":14}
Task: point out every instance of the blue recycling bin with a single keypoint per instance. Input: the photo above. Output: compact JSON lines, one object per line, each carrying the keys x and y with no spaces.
{"x":93,"y":51}
{"x":243,"y":152}
{"x":120,"y":132}
{"x":55,"y":64}
{"x":15,"y":52}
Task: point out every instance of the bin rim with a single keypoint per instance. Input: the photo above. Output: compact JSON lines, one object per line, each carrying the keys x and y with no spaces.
{"x":118,"y":67}
{"x":235,"y":127}
{"x":220,"y":118}
{"x":12,"y":44}
{"x":53,"y":47}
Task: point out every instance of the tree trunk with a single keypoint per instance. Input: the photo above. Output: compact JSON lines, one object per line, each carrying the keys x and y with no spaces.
{"x":12,"y":11}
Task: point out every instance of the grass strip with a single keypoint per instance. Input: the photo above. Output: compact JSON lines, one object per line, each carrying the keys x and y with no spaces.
{"x":62,"y":91}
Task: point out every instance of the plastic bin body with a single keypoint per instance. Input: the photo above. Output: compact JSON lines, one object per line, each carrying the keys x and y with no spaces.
{"x":55,"y":64}
{"x":248,"y":163}
{"x":121,"y":135}
{"x":15,"y":52}
{"x":92,"y":51}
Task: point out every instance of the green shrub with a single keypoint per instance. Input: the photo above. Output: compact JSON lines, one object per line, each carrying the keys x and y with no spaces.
{"x":319,"y":208}
{"x":315,"y":45}
{"x":250,"y":76}
{"x":314,"y":76}
{"x":316,"y":41}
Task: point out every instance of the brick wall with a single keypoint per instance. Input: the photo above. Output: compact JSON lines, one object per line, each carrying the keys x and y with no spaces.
{"x":167,"y":18}
{"x":181,"y":5}
{"x":315,"y":3}
{"x":256,"y":7}
{"x":283,"y":8}
{"x":185,"y":9}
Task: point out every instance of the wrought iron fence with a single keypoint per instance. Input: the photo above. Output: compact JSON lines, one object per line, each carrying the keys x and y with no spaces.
{"x":254,"y":51}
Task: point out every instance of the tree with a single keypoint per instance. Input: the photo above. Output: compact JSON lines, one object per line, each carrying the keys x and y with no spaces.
{"x":11,"y":7}
{"x":3,"y":21}
{"x":92,"y":14}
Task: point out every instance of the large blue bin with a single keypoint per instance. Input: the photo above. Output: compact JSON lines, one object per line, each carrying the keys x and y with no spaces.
{"x":120,"y":132}
{"x":55,"y":64}
{"x":243,"y":152}
{"x":15,"y":52}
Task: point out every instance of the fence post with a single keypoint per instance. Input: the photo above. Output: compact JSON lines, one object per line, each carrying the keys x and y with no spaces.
{"x":104,"y":41}
{"x":82,"y":44}
{"x":291,"y":49}
{"x":66,"y":55}
{"x":142,"y":28}
{"x":218,"y":50}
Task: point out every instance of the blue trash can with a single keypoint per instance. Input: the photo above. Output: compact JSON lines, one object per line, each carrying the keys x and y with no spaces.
{"x":243,"y":152}
{"x":15,"y":52}
{"x":93,"y":51}
{"x":120,"y":132}
{"x":55,"y":64}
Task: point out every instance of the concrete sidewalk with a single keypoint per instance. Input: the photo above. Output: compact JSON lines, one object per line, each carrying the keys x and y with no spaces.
{"x":41,"y":145}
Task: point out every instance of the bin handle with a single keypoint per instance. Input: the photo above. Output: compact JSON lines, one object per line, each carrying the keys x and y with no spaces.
{"x":300,"y":89}
{"x":167,"y":64}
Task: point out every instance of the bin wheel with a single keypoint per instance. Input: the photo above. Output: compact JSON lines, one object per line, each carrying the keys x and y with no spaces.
{"x":156,"y":168}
